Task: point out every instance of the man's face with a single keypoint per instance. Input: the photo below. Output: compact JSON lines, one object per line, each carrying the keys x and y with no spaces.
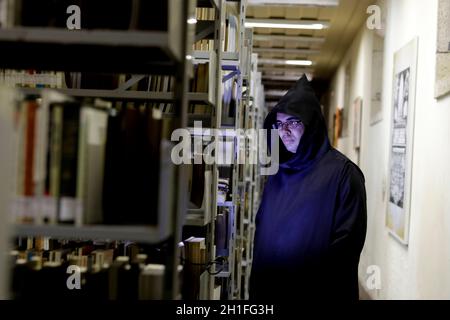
{"x":290,"y":129}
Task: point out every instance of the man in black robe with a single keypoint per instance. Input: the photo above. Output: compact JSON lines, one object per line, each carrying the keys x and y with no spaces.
{"x":311,"y":224}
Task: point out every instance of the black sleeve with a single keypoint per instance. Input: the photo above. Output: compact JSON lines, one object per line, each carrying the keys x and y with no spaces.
{"x":349,"y":232}
{"x":349,"y":227}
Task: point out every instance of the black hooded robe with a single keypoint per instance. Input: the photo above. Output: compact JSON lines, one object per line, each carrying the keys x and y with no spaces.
{"x":311,"y":223}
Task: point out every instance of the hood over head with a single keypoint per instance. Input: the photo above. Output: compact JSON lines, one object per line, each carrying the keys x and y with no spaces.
{"x":300,"y":101}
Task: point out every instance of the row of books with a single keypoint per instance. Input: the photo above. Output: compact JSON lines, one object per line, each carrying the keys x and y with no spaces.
{"x":230,"y":32}
{"x":82,"y":162}
{"x":31,"y":79}
{"x":201,"y":83}
{"x":106,"y":270}
{"x":154,"y":83}
{"x":87,"y":270}
{"x":194,"y":261}
{"x":204,"y":14}
{"x":87,"y":162}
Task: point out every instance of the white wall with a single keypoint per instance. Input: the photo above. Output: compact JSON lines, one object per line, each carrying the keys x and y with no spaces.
{"x":420,"y":270}
{"x":359,"y":56}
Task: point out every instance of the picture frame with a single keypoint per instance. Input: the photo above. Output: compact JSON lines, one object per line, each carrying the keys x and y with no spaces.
{"x":402,"y":141}
{"x":337,"y":126}
{"x":442,"y":80}
{"x":376,"y":103}
{"x":346,"y":109}
{"x":357,"y":116}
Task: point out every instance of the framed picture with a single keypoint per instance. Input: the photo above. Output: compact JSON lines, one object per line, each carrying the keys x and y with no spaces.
{"x":442,"y":83}
{"x":347,"y":100}
{"x":357,"y":112}
{"x":337,"y":126}
{"x":402,"y":139}
{"x":376,"y":106}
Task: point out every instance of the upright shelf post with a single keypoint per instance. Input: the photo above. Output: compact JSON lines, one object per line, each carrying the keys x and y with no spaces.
{"x":180,"y":178}
{"x":7,"y":165}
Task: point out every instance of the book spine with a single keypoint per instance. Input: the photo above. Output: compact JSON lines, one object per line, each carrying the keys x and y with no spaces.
{"x":69,"y":156}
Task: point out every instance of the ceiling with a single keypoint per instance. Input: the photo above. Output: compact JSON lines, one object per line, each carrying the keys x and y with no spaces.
{"x":325,"y":47}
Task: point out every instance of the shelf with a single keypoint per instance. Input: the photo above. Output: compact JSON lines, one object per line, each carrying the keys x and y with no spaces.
{"x":207,"y":132}
{"x":61,"y":49}
{"x":230,"y":61}
{"x":229,"y":204}
{"x":192,"y":117}
{"x":230,"y":56}
{"x":196,"y":219}
{"x":208,"y":57}
{"x":198,"y":97}
{"x":223,"y":274}
{"x":201,"y":55}
{"x":145,"y":234}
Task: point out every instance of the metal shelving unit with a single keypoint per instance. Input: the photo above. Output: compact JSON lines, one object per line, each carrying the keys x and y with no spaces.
{"x":110,"y":51}
{"x":249,"y":182}
{"x":225,"y":61}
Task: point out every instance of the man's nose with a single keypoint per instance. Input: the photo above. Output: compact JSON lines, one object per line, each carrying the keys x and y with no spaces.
{"x":286,"y":134}
{"x":285,"y":129}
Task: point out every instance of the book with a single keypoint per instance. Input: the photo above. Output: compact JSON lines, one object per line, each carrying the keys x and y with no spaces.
{"x":69,"y":205}
{"x":91,"y":158}
{"x":151,"y":282}
{"x":194,"y":266}
{"x":128,"y":281}
{"x":197,"y":185}
{"x":221,"y":233}
{"x":114,"y":276}
{"x":31,"y":110}
{"x":132,"y":162}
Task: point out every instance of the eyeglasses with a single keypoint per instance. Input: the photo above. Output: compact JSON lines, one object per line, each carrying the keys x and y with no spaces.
{"x":290,"y":124}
